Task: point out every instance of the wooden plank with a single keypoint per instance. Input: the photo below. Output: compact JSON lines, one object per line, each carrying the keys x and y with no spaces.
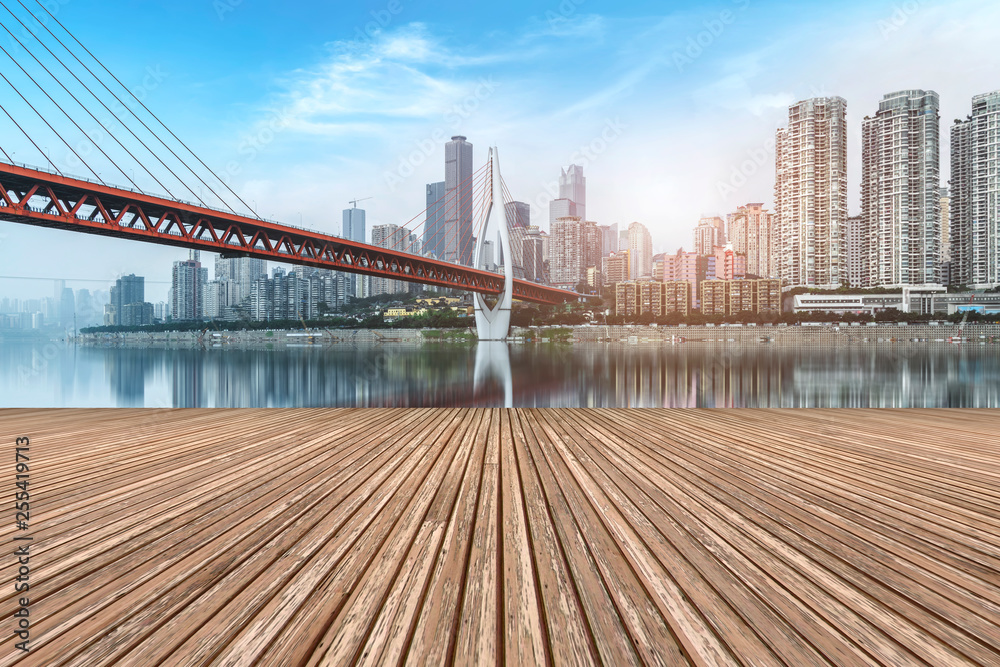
{"x":271,"y":537}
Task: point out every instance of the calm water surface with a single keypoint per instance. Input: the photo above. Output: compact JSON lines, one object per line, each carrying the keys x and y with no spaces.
{"x":40,"y":374}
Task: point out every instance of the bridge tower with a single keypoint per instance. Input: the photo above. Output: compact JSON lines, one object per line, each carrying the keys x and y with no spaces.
{"x":494,"y":323}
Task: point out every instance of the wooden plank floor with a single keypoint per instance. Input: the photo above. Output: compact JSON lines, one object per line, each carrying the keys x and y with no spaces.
{"x":439,"y":536}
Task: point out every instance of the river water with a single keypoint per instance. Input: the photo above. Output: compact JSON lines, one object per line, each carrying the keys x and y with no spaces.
{"x":57,"y":374}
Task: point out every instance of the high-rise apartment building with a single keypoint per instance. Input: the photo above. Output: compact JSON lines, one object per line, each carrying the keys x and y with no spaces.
{"x":751,"y":231}
{"x":709,"y":235}
{"x":575,"y":245}
{"x":855,"y":267}
{"x":945,"y":227}
{"x":900,"y":190}
{"x":810,"y":192}
{"x":187,"y":289}
{"x":458,"y":242}
{"x":975,"y":195}
{"x":392,"y":237}
{"x":640,"y":250}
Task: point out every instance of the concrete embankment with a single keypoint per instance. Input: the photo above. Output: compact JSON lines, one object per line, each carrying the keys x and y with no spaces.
{"x":256,"y":338}
{"x":701,"y":335}
{"x":789,"y":335}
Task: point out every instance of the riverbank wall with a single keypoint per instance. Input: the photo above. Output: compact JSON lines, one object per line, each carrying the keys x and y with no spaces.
{"x":629,"y":335}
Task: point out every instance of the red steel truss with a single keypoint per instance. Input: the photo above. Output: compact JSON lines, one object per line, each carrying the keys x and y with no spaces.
{"x":34,"y":197}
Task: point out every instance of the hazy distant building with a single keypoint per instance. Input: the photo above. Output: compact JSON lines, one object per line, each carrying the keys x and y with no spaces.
{"x":532,"y":257}
{"x":609,"y":239}
{"x":900,"y":190}
{"x":562,"y":208}
{"x":975,"y":195}
{"x":810,"y":191}
{"x":640,"y":250}
{"x":518,"y":214}
{"x":573,"y":187}
{"x":231,"y":301}
{"x":128,"y":305}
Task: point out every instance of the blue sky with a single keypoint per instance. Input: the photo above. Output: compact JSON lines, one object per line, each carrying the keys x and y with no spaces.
{"x":307,"y":105}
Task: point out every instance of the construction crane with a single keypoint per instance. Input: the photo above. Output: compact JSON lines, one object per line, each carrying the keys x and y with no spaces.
{"x":354,"y":202}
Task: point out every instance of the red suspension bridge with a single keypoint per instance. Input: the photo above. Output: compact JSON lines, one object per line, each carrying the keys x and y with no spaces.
{"x":50,"y":198}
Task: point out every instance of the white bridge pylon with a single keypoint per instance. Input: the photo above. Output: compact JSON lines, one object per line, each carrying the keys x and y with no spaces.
{"x":494,"y":323}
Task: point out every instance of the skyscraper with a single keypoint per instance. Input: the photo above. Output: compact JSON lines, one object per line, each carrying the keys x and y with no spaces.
{"x":353,"y":229}
{"x":187,"y":299}
{"x":458,"y":243}
{"x":434,"y":223}
{"x":975,"y":194}
{"x":640,"y":251}
{"x":573,"y":186}
{"x":900,"y":190}
{"x":751,"y":231}
{"x":810,"y":191}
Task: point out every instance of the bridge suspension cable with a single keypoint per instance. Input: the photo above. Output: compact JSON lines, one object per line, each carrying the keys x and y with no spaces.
{"x":162,"y":124}
{"x":44,"y":120}
{"x":81,"y":104}
{"x":101,"y":102}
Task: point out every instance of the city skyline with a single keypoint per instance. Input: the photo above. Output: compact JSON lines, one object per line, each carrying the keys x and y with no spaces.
{"x":699,"y":158}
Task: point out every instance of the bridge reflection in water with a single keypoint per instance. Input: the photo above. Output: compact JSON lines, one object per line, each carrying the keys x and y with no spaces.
{"x":498,"y":374}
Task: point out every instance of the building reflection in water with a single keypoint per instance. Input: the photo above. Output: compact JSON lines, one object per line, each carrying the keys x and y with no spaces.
{"x":549,"y":376}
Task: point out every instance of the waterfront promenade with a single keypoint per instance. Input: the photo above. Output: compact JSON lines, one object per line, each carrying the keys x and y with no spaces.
{"x":442,"y":536}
